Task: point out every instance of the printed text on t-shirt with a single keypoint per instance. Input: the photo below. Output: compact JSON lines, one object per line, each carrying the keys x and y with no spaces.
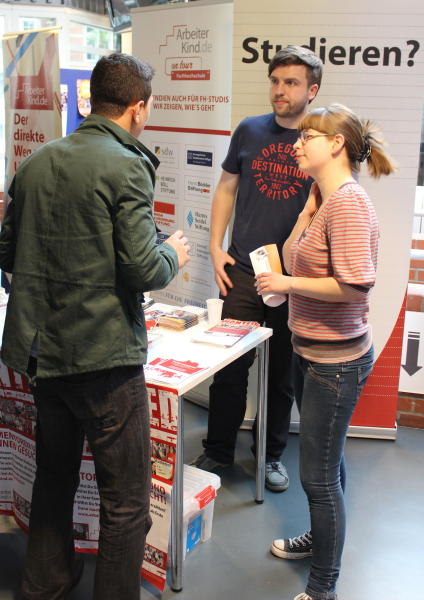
{"x":274,"y":176}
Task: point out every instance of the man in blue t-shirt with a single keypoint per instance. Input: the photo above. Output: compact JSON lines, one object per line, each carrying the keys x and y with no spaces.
{"x":261,"y":177}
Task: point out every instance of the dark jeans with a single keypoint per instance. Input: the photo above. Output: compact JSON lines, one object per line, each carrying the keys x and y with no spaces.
{"x":227,"y":394}
{"x":110,"y":408}
{"x":330,"y":394}
{"x":298,"y":382}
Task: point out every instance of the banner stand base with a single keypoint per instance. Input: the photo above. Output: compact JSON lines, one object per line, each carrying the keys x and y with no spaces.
{"x":359,"y":431}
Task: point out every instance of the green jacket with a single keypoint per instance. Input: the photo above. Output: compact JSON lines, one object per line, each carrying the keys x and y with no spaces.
{"x":79,"y":238}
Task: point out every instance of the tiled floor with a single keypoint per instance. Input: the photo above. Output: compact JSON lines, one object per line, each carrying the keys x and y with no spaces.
{"x":384,"y":552}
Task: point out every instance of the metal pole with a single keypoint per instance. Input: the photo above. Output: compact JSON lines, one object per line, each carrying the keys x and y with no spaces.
{"x":263,"y":351}
{"x":177,"y":507}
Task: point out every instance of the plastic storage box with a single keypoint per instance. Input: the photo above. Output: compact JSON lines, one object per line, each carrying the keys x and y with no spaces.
{"x":200,"y":489}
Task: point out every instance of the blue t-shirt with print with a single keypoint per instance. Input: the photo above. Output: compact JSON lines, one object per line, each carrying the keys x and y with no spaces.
{"x":272,"y":189}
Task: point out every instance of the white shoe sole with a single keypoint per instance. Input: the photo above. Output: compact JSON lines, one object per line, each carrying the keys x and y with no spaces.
{"x":288,"y":555}
{"x":277,"y":488}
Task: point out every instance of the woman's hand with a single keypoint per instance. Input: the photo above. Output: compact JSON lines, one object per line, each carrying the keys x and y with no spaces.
{"x":272,"y":283}
{"x":314,"y":200}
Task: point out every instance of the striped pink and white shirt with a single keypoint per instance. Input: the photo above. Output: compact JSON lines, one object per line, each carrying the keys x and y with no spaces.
{"x":341,"y":242}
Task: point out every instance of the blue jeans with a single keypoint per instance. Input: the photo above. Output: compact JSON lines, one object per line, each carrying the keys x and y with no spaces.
{"x":110,"y":408}
{"x":330,"y":394}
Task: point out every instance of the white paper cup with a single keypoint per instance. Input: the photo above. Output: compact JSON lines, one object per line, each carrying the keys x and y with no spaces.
{"x":214,"y":310}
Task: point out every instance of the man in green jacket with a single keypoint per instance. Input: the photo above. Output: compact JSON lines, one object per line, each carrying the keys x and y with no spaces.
{"x":79,"y":238}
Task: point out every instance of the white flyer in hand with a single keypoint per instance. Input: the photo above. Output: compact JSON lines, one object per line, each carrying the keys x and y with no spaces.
{"x":265,"y":259}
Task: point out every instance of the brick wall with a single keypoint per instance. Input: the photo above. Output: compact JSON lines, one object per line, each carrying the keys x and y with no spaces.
{"x":418,"y":241}
{"x":411,"y":410}
{"x":416,"y":267}
{"x":415,"y":298}
{"x":411,"y":406}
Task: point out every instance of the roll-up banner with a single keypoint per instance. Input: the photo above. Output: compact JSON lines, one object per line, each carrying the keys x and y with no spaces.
{"x":374,"y":63}
{"x":18,"y":416}
{"x":32,"y":93}
{"x":189,"y":45}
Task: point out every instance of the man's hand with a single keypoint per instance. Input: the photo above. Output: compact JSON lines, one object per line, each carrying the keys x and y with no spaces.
{"x":220,"y":258}
{"x":180,"y":244}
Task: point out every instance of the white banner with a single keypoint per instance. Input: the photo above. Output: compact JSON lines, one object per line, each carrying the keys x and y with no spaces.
{"x":32,"y":93}
{"x":189,"y":128}
{"x":17,"y":470}
{"x":17,"y":445}
{"x":163,"y":403}
{"x":373,"y":63}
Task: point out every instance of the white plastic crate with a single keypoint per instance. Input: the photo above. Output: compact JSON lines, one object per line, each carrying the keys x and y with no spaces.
{"x":200,"y":489}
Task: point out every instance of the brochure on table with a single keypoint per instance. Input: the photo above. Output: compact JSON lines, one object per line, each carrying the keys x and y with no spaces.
{"x":226,"y":333}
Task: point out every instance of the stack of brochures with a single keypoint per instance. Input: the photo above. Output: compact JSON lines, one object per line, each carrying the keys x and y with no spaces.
{"x":226,"y":333}
{"x":178,"y":319}
{"x":201,"y":312}
{"x":175,"y":317}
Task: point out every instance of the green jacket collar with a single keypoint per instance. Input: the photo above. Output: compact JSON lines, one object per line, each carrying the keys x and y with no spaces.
{"x":97,"y":123}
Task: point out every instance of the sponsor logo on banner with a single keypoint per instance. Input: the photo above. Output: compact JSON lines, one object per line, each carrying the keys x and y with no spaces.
{"x":200,"y":250}
{"x":166,"y":185}
{"x":197,"y":219}
{"x":164,"y":213}
{"x":189,"y":218}
{"x":199,"y":157}
{"x":166,"y":153}
{"x":200,"y":187}
{"x":195,"y":277}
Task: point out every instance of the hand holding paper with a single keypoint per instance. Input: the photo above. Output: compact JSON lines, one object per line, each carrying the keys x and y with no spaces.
{"x":270,"y":284}
{"x":265,"y":260}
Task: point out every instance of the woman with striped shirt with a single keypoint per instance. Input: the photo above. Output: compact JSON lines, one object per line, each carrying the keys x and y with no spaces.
{"x":331,"y":255}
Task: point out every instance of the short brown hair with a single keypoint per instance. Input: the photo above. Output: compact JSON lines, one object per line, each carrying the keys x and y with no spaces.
{"x":298,"y":55}
{"x":117,"y":81}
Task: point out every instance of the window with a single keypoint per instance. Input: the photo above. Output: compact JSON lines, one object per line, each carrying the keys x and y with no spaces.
{"x":27,"y":23}
{"x":89,"y":43}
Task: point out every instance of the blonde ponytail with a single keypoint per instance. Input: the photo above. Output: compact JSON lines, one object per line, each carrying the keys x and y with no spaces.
{"x":378,"y":161}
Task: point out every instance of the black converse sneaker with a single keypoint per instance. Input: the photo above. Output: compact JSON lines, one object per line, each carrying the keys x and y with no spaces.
{"x":293,"y":548}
